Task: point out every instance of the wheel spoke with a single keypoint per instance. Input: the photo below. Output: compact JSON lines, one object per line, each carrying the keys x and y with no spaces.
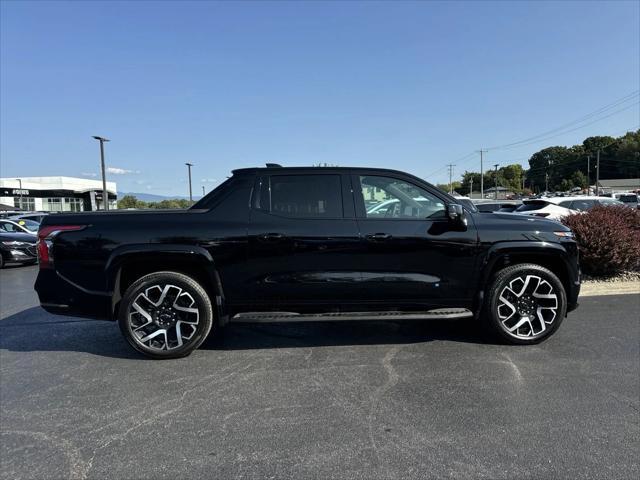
{"x":526,"y":306}
{"x":164,"y":317}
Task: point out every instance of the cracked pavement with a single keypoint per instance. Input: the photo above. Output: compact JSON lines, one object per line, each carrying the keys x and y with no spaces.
{"x":333,"y":400}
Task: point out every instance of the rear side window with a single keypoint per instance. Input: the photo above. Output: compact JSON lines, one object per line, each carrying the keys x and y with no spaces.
{"x":303,"y":196}
{"x":532,"y":205}
{"x":631,"y":198}
{"x":582,"y":205}
{"x":566,"y":204}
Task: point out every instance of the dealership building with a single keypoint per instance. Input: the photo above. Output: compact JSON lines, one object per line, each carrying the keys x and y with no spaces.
{"x":55,"y":194}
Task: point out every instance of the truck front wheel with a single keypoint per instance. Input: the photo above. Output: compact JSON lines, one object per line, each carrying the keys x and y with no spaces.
{"x":525,"y":304}
{"x":165,"y":315}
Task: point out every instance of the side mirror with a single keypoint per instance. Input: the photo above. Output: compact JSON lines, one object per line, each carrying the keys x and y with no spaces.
{"x":456,"y":215}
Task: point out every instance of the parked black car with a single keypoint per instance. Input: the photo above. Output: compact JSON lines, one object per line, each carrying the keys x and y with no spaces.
{"x":298,"y":244}
{"x":17,"y":248}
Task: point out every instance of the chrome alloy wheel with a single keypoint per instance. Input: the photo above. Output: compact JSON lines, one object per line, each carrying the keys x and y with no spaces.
{"x":527,"y":306}
{"x":163,"y":317}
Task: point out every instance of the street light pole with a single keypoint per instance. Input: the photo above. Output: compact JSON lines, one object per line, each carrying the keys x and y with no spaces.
{"x":20,"y":186}
{"x":203,"y":191}
{"x":105,"y":195}
{"x":496,"y":186}
{"x":189,"y":165}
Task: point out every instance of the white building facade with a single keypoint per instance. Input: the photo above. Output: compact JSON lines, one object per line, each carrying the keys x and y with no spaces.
{"x":55,"y":194}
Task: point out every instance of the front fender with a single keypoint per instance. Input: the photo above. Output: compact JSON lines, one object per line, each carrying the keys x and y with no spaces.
{"x":565,"y":252}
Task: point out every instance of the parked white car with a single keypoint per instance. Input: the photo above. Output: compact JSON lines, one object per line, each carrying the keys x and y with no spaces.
{"x":629,"y":199}
{"x":554,"y":208}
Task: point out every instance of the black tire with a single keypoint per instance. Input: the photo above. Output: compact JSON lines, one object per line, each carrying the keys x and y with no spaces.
{"x":502,"y":298}
{"x":163,"y":287}
{"x":1,"y":261}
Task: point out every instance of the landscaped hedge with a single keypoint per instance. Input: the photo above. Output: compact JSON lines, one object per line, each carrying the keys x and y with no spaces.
{"x":609,"y":239}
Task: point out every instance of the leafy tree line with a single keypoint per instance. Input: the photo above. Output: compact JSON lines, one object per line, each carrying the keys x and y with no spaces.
{"x":130,"y":201}
{"x":509,"y":176}
{"x":566,"y":167}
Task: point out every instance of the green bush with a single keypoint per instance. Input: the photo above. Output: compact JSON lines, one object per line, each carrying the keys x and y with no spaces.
{"x":608,"y":238}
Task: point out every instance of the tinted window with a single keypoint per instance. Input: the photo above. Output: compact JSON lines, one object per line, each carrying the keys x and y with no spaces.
{"x":532,"y":205}
{"x":565,"y":204}
{"x":388,"y":197}
{"x":582,"y":205}
{"x":631,"y":198}
{"x":306,"y":196}
{"x":609,"y":202}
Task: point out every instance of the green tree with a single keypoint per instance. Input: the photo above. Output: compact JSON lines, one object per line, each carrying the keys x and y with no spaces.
{"x":579,"y":179}
{"x":130,"y":201}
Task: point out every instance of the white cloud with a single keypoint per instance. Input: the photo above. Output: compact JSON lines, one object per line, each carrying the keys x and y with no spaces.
{"x":120,"y":171}
{"x":208,"y":180}
{"x":89,"y":174}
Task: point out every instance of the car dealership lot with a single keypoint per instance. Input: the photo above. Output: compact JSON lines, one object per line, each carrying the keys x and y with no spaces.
{"x":343,"y":400}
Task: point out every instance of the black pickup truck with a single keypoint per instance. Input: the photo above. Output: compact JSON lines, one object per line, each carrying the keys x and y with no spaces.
{"x":299,"y":244}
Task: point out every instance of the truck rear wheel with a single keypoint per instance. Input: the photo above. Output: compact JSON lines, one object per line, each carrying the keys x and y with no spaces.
{"x":165,"y":315}
{"x":525,"y":304}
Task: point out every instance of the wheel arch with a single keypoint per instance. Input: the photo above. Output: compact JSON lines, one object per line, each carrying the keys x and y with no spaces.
{"x":552,"y":256}
{"x":131,"y":262}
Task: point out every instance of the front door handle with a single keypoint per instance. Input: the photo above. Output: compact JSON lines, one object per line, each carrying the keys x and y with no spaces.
{"x":271,"y":237}
{"x":378,"y":237}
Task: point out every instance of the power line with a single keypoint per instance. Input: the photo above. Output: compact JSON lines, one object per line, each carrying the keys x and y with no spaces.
{"x":584,"y":118}
{"x":548,"y":134}
{"x":568,"y":131}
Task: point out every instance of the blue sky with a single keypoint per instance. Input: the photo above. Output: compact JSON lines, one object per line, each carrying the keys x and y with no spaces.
{"x":407,"y":85}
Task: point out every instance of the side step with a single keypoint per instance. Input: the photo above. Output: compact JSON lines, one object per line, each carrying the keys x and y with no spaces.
{"x":269,"y":317}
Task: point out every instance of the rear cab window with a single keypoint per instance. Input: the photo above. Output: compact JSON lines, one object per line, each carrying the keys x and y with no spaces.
{"x":300,"y":195}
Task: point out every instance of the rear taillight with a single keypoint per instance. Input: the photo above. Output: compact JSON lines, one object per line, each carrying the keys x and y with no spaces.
{"x":45,"y":241}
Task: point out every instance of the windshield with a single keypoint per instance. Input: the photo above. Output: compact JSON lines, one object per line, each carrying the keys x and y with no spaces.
{"x":28,"y":224}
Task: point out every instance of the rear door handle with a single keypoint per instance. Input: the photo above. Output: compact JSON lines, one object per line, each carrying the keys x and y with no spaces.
{"x":271,"y":237}
{"x":378,"y":237}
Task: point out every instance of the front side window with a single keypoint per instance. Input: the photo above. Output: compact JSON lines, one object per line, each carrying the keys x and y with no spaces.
{"x":9,"y":227}
{"x":387,"y":197}
{"x":303,"y":196}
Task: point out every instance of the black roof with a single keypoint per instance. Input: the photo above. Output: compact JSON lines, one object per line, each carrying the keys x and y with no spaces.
{"x":253,"y":170}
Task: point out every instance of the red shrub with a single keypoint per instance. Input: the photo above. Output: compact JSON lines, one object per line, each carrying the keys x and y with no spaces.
{"x":609,"y":239}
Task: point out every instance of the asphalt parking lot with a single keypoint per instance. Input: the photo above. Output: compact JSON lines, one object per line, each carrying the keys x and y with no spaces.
{"x":341,"y":400}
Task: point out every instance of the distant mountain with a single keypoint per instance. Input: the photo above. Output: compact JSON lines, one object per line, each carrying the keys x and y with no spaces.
{"x":150,"y":197}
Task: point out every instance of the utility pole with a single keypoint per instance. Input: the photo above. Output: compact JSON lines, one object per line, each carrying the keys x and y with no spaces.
{"x":105,"y":195}
{"x":588,"y":174}
{"x":203,"y":190}
{"x":481,"y":174}
{"x":546,"y":181}
{"x":471,"y":187}
{"x":451,"y":165}
{"x":496,"y":186}
{"x":598,"y":174}
{"x":189,"y":165}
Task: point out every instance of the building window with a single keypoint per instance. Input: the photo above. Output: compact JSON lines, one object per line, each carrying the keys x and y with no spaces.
{"x":24,"y":203}
{"x":73,"y":205}
{"x":53,"y":204}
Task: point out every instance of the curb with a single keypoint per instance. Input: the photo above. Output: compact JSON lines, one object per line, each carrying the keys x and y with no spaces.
{"x":592,"y":289}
